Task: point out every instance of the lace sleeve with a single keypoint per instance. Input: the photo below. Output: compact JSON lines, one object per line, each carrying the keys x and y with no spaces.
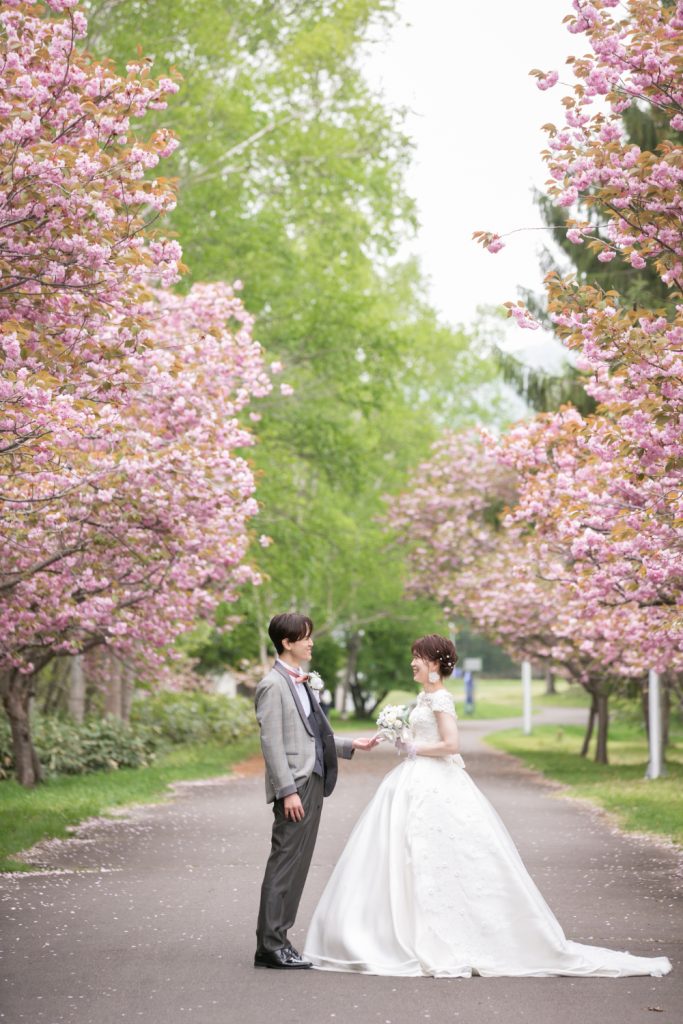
{"x":443,"y":701}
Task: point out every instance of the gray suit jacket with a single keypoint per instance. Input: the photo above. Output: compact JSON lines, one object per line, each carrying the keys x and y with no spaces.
{"x":287,"y":739}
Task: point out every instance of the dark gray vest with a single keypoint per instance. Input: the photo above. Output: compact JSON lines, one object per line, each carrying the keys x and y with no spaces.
{"x":319,"y":767}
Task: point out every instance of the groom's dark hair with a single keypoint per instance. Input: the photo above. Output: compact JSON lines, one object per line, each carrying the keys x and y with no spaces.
{"x":289,"y":626}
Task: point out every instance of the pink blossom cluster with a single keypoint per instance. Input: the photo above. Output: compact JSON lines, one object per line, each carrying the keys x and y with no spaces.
{"x":510,"y":582}
{"x":608,"y":488}
{"x":634,"y":57}
{"x":599,"y":512}
{"x":76,"y":254}
{"x":149,"y":528}
{"x":126,"y":499}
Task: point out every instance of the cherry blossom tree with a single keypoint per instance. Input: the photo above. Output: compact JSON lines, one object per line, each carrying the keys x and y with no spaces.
{"x":126,"y":500}
{"x":608,"y":488}
{"x":156,"y":529}
{"x":634,"y":58}
{"x":467,"y":552}
{"x":584,"y":569}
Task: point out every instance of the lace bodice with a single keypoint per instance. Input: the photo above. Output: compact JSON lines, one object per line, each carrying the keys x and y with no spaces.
{"x":423,"y":724}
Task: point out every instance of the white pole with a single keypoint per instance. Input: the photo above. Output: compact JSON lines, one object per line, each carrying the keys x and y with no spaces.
{"x":655,"y":768}
{"x":526,"y":696}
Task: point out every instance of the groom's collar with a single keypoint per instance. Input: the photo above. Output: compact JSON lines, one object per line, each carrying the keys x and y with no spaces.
{"x":289,"y":668}
{"x":283,"y":671}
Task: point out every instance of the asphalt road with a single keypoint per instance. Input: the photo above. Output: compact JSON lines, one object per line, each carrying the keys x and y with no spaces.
{"x":152,"y":917}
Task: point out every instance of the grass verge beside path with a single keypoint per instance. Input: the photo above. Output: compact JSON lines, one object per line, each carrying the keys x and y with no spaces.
{"x":29,"y":815}
{"x":494,"y":698}
{"x":502,"y":698}
{"x":638,"y":804}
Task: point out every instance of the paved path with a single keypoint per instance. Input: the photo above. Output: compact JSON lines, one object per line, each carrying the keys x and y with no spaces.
{"x":153,"y":919}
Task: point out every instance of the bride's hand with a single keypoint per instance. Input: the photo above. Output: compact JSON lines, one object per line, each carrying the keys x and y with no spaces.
{"x":407,"y":748}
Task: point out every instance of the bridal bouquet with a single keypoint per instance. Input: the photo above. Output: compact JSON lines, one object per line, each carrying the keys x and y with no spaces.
{"x":392,"y":722}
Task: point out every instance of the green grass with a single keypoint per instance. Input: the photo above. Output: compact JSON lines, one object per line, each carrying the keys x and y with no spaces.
{"x":494,"y":698}
{"x":350,"y":724}
{"x":502,"y":698}
{"x":29,"y":815}
{"x":638,"y":804}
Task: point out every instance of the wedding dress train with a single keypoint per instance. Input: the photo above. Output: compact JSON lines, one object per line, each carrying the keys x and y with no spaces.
{"x":430,"y":883}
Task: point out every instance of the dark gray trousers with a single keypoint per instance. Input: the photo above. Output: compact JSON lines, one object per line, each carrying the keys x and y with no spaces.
{"x":291,"y":850}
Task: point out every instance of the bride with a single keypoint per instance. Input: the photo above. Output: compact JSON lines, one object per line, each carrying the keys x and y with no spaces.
{"x":430,"y":882}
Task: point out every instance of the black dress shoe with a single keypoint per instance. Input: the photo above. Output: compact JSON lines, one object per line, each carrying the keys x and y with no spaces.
{"x":280,"y":960}
{"x":296,"y":956}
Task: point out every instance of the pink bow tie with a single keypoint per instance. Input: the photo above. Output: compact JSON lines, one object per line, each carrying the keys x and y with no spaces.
{"x":298,"y":677}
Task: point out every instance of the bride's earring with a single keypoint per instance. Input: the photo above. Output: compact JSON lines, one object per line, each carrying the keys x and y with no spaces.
{"x":433,"y":677}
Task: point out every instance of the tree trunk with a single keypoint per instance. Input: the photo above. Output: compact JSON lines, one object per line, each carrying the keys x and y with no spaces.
{"x":351,"y":674}
{"x":348,"y":684}
{"x":127,"y":688}
{"x":261,"y":631}
{"x":92,"y":693}
{"x":49,"y":698}
{"x":263,"y":651}
{"x":358,"y":701}
{"x":378,"y":700}
{"x":666,"y":712}
{"x":17,"y":690}
{"x":77,"y":688}
{"x":55,"y":694}
{"x":550,"y":690}
{"x":112,"y":693}
{"x":676,"y":686}
{"x":589,"y":727}
{"x":603,"y":727}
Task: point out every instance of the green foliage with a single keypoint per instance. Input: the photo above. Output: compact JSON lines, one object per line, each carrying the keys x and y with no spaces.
{"x":541,"y":389}
{"x":644,"y":287}
{"x":291,"y":179}
{"x":619,"y":787}
{"x":495,"y":662}
{"x":384,"y":658}
{"x":195,"y":717}
{"x":231,"y":640}
{"x":328,"y":656}
{"x":66,"y":747}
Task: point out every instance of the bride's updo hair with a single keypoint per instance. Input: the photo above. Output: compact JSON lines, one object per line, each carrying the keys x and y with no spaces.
{"x":437,"y":648}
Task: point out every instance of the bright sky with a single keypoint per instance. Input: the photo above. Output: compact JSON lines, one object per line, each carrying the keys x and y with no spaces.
{"x":475,"y":115}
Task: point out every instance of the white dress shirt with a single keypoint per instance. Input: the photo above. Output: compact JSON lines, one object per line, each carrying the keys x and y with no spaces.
{"x":301,"y":691}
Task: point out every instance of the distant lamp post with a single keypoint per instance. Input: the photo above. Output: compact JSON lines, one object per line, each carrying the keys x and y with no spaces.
{"x":526,"y":696}
{"x":656,"y":767}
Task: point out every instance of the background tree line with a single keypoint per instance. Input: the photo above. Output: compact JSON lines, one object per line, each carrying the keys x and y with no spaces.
{"x":291,"y":177}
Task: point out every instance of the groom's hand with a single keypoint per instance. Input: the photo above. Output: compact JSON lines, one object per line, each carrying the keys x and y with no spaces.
{"x":294,"y":809}
{"x":366,"y":744}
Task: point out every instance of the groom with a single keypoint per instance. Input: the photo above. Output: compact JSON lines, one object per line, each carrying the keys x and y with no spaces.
{"x":300,"y":751}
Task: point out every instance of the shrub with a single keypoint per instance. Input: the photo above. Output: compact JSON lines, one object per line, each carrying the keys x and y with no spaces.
{"x":196,"y":717}
{"x":65,"y":747}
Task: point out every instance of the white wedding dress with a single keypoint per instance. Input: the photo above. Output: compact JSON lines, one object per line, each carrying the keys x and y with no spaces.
{"x":430,"y":883}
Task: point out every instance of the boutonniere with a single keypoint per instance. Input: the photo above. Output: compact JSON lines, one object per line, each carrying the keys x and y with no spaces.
{"x":316,"y":684}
